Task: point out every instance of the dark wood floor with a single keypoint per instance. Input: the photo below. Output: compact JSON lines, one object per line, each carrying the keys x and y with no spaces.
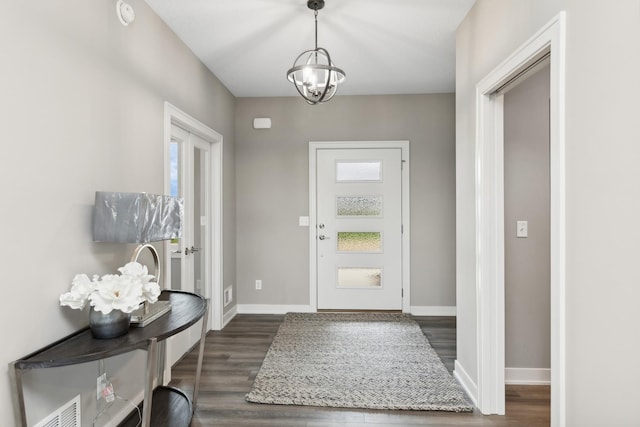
{"x":234,"y":355}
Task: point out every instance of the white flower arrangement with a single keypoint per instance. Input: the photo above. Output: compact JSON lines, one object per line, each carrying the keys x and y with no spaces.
{"x":124,"y":291}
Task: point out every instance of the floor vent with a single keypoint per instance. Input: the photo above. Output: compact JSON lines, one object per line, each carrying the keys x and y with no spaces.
{"x":228,"y":296}
{"x":68,"y":415}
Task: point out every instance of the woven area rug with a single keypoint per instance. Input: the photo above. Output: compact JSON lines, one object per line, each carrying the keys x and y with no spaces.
{"x":355,"y":360}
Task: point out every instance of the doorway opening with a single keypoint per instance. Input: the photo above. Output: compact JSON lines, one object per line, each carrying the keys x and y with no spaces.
{"x":193,"y":151}
{"x":527,"y":230}
{"x":490,"y":280}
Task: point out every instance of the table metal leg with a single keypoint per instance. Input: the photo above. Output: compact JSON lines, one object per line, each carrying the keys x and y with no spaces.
{"x":15,"y":376}
{"x":203,"y":336}
{"x":150,"y":376}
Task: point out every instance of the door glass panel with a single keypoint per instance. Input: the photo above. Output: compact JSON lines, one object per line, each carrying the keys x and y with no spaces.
{"x":367,"y":170}
{"x":199,"y":225}
{"x":354,"y":277}
{"x":175,"y":174}
{"x":174,"y":165}
{"x":359,"y":205}
{"x":359,"y":241}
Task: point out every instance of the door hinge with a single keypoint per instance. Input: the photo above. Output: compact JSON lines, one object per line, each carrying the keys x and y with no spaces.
{"x":402,"y":292}
{"x":402,"y":164}
{"x":401,"y":228}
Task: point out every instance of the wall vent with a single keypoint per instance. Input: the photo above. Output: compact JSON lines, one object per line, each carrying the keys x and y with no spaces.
{"x":68,"y":415}
{"x":228,"y":296}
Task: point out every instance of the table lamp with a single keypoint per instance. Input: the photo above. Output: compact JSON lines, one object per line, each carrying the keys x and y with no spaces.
{"x":139,"y":218}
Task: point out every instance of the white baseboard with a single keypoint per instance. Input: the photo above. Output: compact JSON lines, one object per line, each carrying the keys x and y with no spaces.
{"x":273,"y":309}
{"x":433,"y":310}
{"x":282,"y":309}
{"x":229,"y":315}
{"x":527,"y":376}
{"x":466,"y":382}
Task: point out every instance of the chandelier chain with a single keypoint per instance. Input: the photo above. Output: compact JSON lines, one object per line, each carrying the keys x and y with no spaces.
{"x":315,"y":14}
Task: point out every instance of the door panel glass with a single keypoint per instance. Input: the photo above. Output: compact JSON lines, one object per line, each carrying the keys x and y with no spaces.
{"x":175,"y":189}
{"x":359,"y":241}
{"x":174,"y":168}
{"x":356,"y":171}
{"x":199,"y":220}
{"x":354,"y":277}
{"x":359,"y":206}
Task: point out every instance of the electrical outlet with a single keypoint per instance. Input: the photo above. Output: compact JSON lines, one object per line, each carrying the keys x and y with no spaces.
{"x":258,"y":285}
{"x":101,"y":384}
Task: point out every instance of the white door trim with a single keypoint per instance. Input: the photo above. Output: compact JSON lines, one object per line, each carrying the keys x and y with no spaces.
{"x":490,"y":221}
{"x":173,"y":115}
{"x":406,"y":255}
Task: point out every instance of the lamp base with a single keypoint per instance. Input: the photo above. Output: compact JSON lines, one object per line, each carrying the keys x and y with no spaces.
{"x":140,"y":319}
{"x":147,"y":313}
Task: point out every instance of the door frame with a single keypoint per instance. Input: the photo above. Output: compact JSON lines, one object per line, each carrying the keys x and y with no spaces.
{"x":490,"y":221}
{"x":175,"y":116}
{"x":314,"y":146}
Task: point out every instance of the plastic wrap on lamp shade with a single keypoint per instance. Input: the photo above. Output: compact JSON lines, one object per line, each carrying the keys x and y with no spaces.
{"x":136,"y":217}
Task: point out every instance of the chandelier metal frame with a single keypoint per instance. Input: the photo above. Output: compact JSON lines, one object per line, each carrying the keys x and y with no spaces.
{"x":308,"y":65}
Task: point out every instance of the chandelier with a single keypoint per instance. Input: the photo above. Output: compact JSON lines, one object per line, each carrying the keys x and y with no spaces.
{"x":313,"y":73}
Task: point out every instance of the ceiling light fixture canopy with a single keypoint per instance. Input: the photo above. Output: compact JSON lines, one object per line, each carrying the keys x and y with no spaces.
{"x":313,"y":73}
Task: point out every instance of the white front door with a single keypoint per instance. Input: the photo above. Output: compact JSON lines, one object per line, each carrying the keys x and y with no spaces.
{"x":359,"y":228}
{"x":190,"y":265}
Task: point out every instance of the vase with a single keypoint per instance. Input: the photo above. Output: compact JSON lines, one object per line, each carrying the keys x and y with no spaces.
{"x":111,"y":325}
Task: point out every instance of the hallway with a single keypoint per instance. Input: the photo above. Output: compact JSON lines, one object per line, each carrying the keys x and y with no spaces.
{"x":233,"y":357}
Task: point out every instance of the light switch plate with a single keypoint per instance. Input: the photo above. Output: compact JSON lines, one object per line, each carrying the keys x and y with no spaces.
{"x":522,"y":229}
{"x":303,"y":221}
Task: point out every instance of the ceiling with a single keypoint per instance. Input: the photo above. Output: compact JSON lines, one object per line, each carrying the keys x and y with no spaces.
{"x":384,"y":46}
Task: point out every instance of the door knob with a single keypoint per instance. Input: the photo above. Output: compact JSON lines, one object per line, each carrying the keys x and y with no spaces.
{"x":323,"y":237}
{"x":188,"y":251}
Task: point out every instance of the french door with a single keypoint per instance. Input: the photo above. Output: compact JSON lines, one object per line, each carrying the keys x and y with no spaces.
{"x":359,"y":229}
{"x":190,"y":173}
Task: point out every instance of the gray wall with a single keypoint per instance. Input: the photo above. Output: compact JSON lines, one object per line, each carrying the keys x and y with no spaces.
{"x":602,"y":191}
{"x":82,"y":110}
{"x":526,"y":197}
{"x":272,"y":176}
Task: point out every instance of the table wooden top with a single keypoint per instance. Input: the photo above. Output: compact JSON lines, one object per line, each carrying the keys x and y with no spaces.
{"x":80,"y":347}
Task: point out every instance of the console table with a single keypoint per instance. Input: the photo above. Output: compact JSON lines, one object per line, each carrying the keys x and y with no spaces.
{"x":186,"y":309}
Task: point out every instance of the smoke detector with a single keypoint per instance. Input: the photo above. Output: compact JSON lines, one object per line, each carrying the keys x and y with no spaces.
{"x":125,"y":12}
